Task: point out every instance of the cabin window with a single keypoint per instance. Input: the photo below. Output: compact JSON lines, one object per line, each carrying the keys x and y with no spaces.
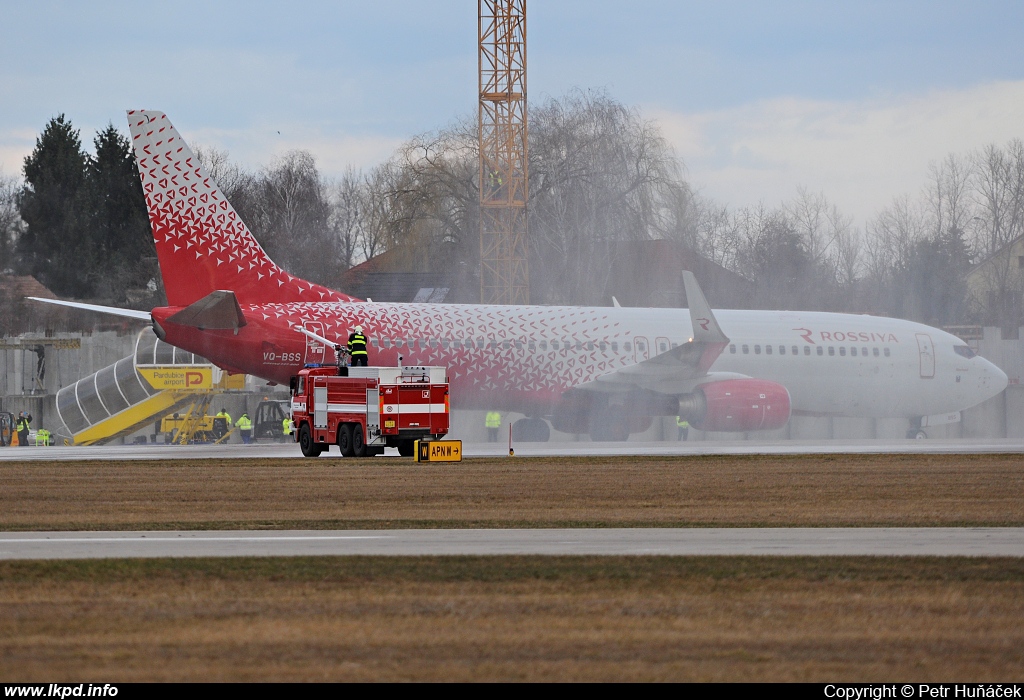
{"x":782,"y":349}
{"x":532,"y":346}
{"x":480,"y":343}
{"x":627,"y":346}
{"x":554,"y":344}
{"x":732,"y":349}
{"x":543,"y":345}
{"x":400,"y":343}
{"x":386,"y":342}
{"x":456,"y":344}
{"x":874,"y":351}
{"x":493,"y":344}
{"x":445,"y":342}
{"x":433,"y":342}
{"x":373,"y":342}
{"x":807,"y":350}
{"x":675,"y":345}
{"x":767,"y":349}
{"x":590,"y":345}
{"x":821,"y":351}
{"x":853,"y":352}
{"x":519,"y":345}
{"x":886,"y":352}
{"x":506,"y":345}
{"x":831,"y":351}
{"x":864,"y":352}
{"x":757,"y":349}
{"x":641,"y":347}
{"x":662,"y":347}
{"x":746,"y":349}
{"x":615,"y":346}
{"x":602,"y":346}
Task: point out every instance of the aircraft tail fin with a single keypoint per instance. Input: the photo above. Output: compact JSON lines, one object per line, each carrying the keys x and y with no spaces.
{"x":201,"y":243}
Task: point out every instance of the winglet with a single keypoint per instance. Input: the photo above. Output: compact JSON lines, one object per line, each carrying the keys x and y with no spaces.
{"x":615,"y":303}
{"x":705,"y":326}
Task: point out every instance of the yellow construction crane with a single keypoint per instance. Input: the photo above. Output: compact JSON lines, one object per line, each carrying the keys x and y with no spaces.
{"x":503,"y":152}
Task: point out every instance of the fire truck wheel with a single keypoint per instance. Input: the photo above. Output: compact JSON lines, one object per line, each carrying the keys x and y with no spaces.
{"x":306,"y":444}
{"x":406,"y":448}
{"x":358,"y":446}
{"x":345,"y":439}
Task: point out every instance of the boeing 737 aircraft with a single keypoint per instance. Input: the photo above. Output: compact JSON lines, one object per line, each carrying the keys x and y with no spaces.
{"x":602,"y":371}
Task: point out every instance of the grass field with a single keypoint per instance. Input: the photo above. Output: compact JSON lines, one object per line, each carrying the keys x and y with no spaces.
{"x":808,"y":490}
{"x":515,"y":618}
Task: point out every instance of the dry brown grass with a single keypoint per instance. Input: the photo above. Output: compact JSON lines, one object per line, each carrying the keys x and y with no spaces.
{"x":513,"y":618}
{"x":811,"y":490}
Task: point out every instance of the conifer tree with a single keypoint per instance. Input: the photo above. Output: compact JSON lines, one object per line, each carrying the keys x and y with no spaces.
{"x":54,"y":246}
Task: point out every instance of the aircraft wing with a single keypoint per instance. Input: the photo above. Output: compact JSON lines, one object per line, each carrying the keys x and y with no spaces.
{"x":680,"y":369}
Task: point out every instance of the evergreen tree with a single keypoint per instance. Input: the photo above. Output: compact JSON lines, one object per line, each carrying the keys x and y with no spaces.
{"x":118,"y":222}
{"x":54,"y":246}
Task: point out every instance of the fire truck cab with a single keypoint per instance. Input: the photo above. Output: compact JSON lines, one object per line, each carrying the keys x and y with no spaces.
{"x":368,"y":409}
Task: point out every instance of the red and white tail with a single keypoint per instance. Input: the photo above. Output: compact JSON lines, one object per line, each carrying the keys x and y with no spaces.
{"x":201,"y":243}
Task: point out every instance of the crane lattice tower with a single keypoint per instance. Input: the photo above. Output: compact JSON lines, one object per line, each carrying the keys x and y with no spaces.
{"x":503,"y":152}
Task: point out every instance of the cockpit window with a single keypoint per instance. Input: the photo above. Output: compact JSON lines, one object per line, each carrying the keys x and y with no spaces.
{"x":964,"y":351}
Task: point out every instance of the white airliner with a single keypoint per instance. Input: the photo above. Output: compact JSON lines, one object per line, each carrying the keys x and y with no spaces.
{"x":605,"y":371}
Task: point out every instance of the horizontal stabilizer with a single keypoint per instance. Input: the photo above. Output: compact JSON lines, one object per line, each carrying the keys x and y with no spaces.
{"x":218,"y":310}
{"x":113,"y":310}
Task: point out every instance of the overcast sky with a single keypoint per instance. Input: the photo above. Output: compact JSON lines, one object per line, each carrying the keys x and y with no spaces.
{"x":758,"y":98}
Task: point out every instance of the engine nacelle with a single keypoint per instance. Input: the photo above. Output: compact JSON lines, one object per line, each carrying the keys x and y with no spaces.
{"x":737,"y":405}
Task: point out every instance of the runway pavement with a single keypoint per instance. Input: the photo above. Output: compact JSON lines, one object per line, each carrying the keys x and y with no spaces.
{"x":564,"y":449}
{"x":996,"y":541}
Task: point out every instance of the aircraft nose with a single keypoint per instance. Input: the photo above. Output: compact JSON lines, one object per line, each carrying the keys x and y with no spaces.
{"x":993,"y":379}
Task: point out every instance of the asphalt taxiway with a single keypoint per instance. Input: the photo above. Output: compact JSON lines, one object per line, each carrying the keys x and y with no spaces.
{"x":937,"y":541}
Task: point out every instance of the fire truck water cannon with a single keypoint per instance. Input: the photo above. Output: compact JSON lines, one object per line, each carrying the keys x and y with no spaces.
{"x":340,"y":351}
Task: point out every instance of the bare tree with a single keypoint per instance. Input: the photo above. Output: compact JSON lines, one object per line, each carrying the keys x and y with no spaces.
{"x":599,"y":174}
{"x":716,"y":236}
{"x":998,"y":188}
{"x":294,"y":219}
{"x":347,"y":215}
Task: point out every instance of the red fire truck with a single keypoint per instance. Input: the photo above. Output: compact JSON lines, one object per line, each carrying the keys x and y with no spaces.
{"x":369,"y":409}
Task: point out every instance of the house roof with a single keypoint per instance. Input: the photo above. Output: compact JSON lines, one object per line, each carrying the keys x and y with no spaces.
{"x":16,"y":287}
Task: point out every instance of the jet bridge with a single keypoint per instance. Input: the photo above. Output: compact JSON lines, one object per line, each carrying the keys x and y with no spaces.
{"x":122,"y":398}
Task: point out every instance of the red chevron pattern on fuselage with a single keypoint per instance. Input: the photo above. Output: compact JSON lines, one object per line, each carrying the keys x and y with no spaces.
{"x":201,"y":242}
{"x":492,"y":352}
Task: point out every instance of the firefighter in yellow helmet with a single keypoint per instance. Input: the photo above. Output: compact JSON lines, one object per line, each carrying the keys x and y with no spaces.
{"x":357,"y":348}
